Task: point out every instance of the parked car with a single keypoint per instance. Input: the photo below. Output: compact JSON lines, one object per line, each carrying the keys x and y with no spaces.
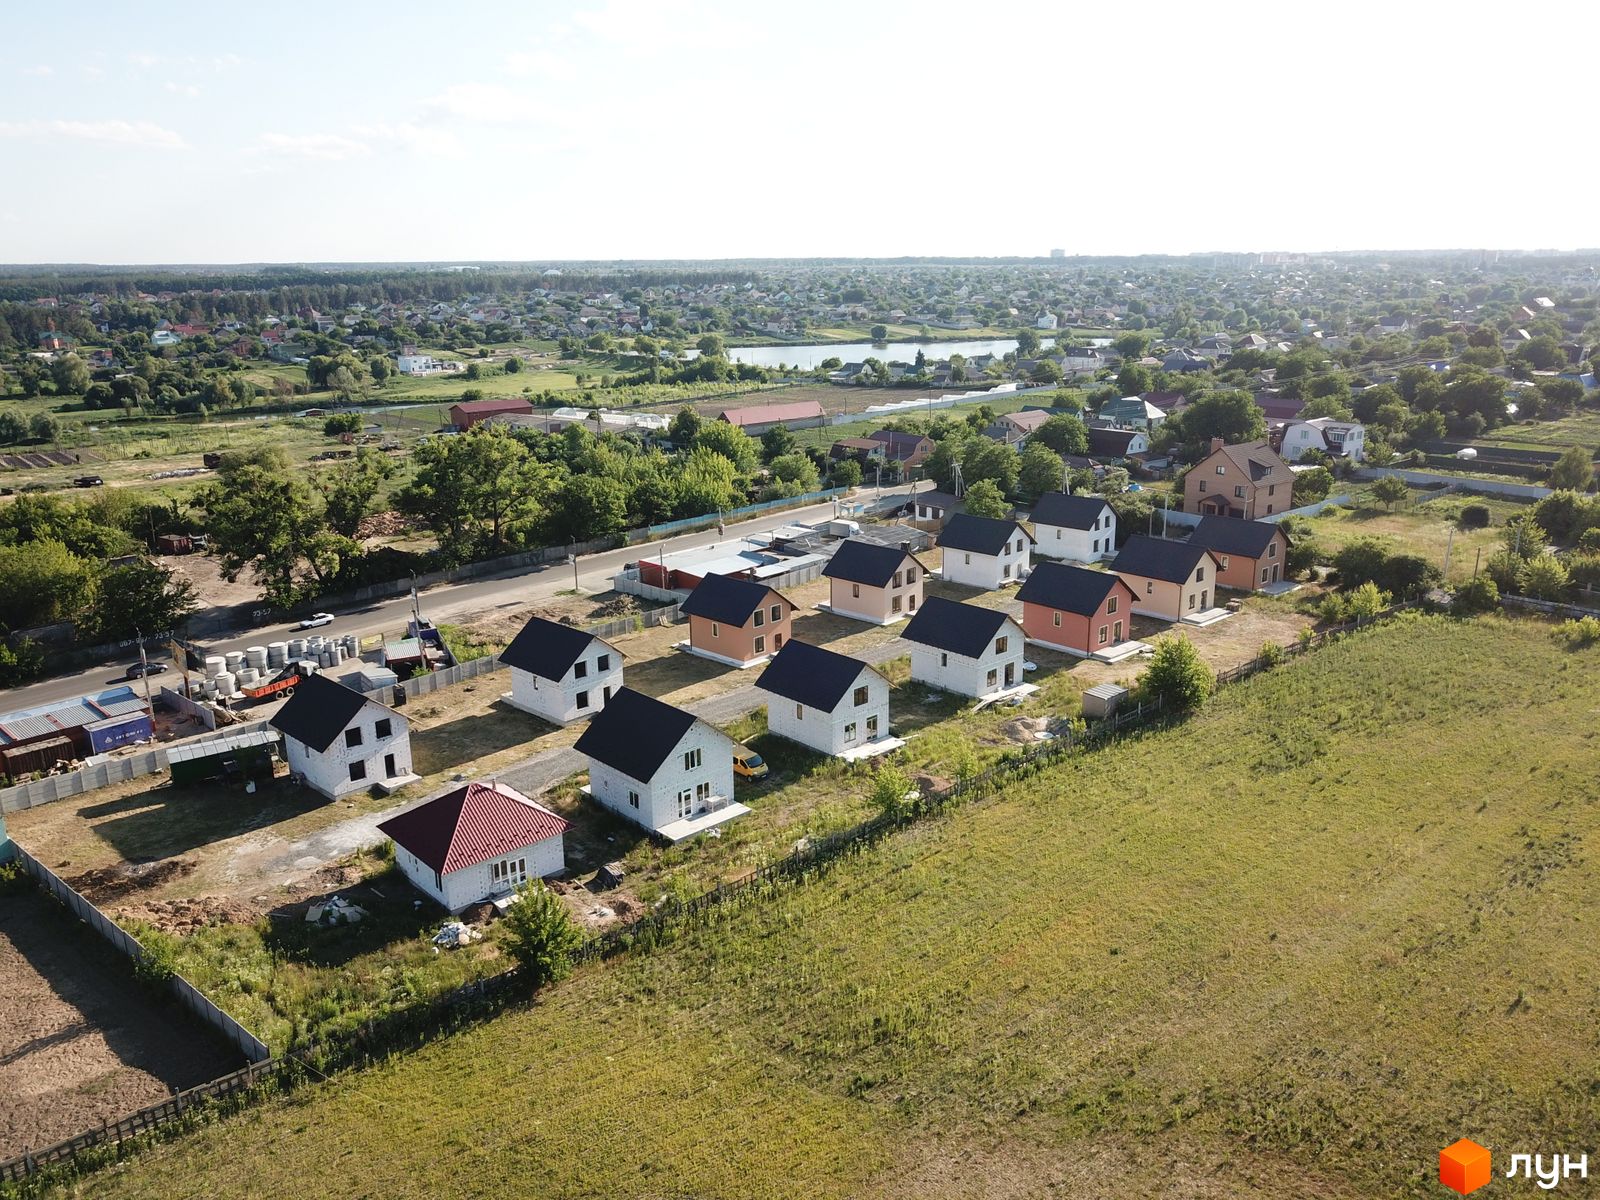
{"x":748,"y":764}
{"x":87,"y":481}
{"x":153,"y":667}
{"x":316,"y":619}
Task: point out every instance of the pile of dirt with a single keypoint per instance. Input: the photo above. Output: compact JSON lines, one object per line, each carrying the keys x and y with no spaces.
{"x":929,"y":784}
{"x":384,"y":524}
{"x":104,"y":884}
{"x":1024,"y":729}
{"x":183,"y":917}
{"x":617,"y":606}
{"x":479,"y":914}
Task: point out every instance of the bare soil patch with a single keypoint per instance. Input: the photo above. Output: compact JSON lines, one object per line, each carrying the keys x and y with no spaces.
{"x":82,"y":1042}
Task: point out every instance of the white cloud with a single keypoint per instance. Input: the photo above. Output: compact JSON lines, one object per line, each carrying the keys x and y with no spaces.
{"x":325,"y":147}
{"x":419,"y":139}
{"x":655,"y":26}
{"x":225,"y":62}
{"x":541,"y":62}
{"x":143,"y":134}
{"x":488,"y":104}
{"x":39,"y":70}
{"x":93,"y":72}
{"x":182,"y":89}
{"x":143,"y":60}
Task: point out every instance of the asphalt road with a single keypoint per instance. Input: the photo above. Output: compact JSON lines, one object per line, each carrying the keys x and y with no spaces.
{"x":446,"y":602}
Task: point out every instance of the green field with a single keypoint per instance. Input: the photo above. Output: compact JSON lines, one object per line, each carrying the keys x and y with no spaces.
{"x":1580,"y":429}
{"x":1290,"y":948}
{"x":1427,"y":529}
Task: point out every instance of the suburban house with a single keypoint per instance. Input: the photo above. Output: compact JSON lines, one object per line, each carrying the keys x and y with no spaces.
{"x":1078,"y":611}
{"x":472,"y":412}
{"x":559,"y":672}
{"x":828,"y":701}
{"x":1247,"y":481}
{"x":1014,"y":428}
{"x":802,"y":414}
{"x":871,"y":582}
{"x":1080,"y":360}
{"x":341,"y":741}
{"x":1250,"y":554}
{"x":1131,"y":412}
{"x":983,"y":552}
{"x":1080,"y":528}
{"x":1170,"y":580}
{"x":479,"y":842}
{"x":907,"y":449}
{"x":932,"y":508}
{"x":660,"y":766}
{"x":864,"y":450}
{"x":1337,"y":439}
{"x":736,"y":621}
{"x":964,"y":648}
{"x":1116,"y":443}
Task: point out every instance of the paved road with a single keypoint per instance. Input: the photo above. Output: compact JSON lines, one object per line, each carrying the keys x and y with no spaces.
{"x":448,"y":601}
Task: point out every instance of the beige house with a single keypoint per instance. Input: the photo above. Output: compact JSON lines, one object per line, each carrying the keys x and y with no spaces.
{"x":869,"y":582}
{"x":737,"y":621}
{"x":1248,"y":481}
{"x":1169,"y":580}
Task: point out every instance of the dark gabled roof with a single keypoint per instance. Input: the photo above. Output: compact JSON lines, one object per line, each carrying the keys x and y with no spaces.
{"x":1071,"y":589}
{"x":964,"y":629}
{"x":980,"y":535}
{"x":546,"y":648}
{"x":1156,"y":558}
{"x":810,"y":675}
{"x":472,"y":824}
{"x":726,"y":599}
{"x":1228,"y":535}
{"x":1110,"y":441}
{"x":1070,"y":512}
{"x":319,"y":711}
{"x":866,"y":562}
{"x":634,"y":734}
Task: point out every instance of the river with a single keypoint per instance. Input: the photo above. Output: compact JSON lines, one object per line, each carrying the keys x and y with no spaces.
{"x":809,"y":358}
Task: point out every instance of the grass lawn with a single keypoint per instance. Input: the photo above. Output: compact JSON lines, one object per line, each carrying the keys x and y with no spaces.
{"x":1580,"y":429}
{"x":1290,"y":948}
{"x":1425,"y":529}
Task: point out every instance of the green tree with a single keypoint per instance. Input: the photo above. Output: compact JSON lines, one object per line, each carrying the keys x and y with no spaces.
{"x":1365,"y":602}
{"x":347,"y":422}
{"x":1544,"y":578}
{"x":1134,"y":379}
{"x":1063,"y":433}
{"x":1177,"y":677}
{"x":1574,"y":470}
{"x":1045,"y":371}
{"x":1042,"y":470}
{"x":1312,"y":486}
{"x":776,"y":442}
{"x":350,"y":490}
{"x":880,"y":333}
{"x":1132,"y":346}
{"x":513,"y":365}
{"x":707,"y":483}
{"x":712,"y":345}
{"x":540,"y":935}
{"x":984,"y":458}
{"x":263,"y":516}
{"x":846,"y":473}
{"x":797,"y":472}
{"x":893,"y":794}
{"x":139,"y":596}
{"x":70,"y":374}
{"x":684,"y":427}
{"x":42,"y":582}
{"x":1524,"y":537}
{"x":1542,"y":354}
{"x":1390,"y":490}
{"x":473,"y":489}
{"x":13,"y":428}
{"x":474,"y":371}
{"x":733,"y":443}
{"x":984,"y":499}
{"x":1477,"y":595}
{"x":43,"y":427}
{"x":1028,"y":343}
{"x":1326,"y":406}
{"x":587,"y":506}
{"x":1230,"y":415}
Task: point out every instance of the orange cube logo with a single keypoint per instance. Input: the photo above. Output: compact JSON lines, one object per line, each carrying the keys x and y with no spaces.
{"x":1464,"y":1166}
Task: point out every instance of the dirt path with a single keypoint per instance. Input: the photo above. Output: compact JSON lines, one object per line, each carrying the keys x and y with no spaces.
{"x":81,"y":1042}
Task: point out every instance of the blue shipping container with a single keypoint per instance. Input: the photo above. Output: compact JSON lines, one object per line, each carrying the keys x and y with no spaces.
{"x":119,"y":731}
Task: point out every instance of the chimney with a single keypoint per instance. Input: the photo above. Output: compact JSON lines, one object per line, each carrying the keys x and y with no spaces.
{"x":1216,"y":444}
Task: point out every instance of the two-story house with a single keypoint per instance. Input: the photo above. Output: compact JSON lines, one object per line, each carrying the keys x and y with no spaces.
{"x":983,"y":552}
{"x":1337,"y":439}
{"x":964,"y":648}
{"x":1170,"y":580}
{"x":1078,"y":611}
{"x":659,"y":766}
{"x":1247,"y":481}
{"x":479,"y":842}
{"x":1076,"y":528}
{"x":559,"y":672}
{"x":1250,"y":555}
{"x":828,"y":701}
{"x":340,"y":741}
{"x":736,"y":621}
{"x":872,"y":582}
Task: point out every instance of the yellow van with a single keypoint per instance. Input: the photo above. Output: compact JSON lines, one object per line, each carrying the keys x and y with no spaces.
{"x":748,"y":764}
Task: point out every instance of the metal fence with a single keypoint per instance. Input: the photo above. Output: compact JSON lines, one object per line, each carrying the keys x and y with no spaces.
{"x":667,"y":528}
{"x":421,"y":685}
{"x":645,"y":620}
{"x":252,"y":1047}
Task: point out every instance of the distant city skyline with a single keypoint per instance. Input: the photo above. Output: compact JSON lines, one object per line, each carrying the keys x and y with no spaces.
{"x":608,"y":130}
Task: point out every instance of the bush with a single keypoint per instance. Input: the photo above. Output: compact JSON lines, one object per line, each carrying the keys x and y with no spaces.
{"x":1584,"y":569}
{"x":13,"y":879}
{"x":893,"y":794}
{"x":1544,"y":578}
{"x":1590,"y":540}
{"x":1477,"y":595}
{"x":1176,"y":676}
{"x":540,"y":935}
{"x":159,"y":962}
{"x":1270,"y":654}
{"x":1575,"y":635}
{"x":1505,"y":569}
{"x":1475,"y":516}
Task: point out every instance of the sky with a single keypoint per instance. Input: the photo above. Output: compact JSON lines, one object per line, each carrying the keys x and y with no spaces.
{"x":612,"y":129}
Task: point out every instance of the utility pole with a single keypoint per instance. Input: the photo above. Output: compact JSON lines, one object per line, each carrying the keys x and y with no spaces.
{"x":144,"y":669}
{"x":1449,"y":541}
{"x":573,"y":559}
{"x":1477,"y":562}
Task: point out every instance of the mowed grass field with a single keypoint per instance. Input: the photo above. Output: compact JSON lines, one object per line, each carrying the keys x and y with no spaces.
{"x":1289,"y":948}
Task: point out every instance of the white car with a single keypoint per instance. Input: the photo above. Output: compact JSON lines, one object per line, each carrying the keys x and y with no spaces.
{"x":316,"y":619}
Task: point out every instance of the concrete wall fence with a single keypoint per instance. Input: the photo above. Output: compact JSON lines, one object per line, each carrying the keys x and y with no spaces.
{"x":1461,"y":483}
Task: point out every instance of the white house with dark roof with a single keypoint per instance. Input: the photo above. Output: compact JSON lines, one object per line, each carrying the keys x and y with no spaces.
{"x":983,"y":552}
{"x":828,"y":701}
{"x":340,"y":741}
{"x":660,"y":766}
{"x":560,"y":673}
{"x":479,"y":842}
{"x":1075,"y":528}
{"x":966,"y":649}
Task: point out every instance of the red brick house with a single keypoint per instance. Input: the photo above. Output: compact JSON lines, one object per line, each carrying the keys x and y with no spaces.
{"x":1247,"y":481}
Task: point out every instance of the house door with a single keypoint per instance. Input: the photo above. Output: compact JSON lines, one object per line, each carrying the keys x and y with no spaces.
{"x":1011,"y":674}
{"x":1116,"y":632}
{"x":388,"y":766}
{"x":1203,"y":598}
{"x":685,"y":802}
{"x":777,"y":641}
{"x":608,"y":691}
{"x":1275,"y":569}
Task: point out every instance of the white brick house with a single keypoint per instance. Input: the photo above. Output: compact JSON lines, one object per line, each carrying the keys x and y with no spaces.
{"x":659,"y":766}
{"x":964,"y":648}
{"x":561,"y":673}
{"x":1074,"y":528}
{"x":479,"y":842}
{"x":984,"y":552}
{"x":340,"y":741}
{"x":828,"y":701}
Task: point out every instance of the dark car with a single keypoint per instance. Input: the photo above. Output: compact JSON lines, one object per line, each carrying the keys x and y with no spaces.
{"x":87,"y":481}
{"x":154,"y":667}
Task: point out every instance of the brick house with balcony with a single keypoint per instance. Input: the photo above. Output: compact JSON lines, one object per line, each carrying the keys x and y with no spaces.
{"x":1247,"y":481}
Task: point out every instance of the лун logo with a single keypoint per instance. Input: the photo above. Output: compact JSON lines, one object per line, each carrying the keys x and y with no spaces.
{"x":1464,"y":1166}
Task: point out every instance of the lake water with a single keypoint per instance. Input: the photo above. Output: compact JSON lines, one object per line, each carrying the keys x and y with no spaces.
{"x":809,"y":358}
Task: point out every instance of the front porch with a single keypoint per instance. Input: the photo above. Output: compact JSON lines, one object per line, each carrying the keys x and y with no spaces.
{"x":1206,"y":616}
{"x":871,"y":749}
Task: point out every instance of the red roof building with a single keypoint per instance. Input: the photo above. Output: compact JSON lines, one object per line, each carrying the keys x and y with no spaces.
{"x":803,"y":414}
{"x":471,"y":412}
{"x":479,"y":842}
